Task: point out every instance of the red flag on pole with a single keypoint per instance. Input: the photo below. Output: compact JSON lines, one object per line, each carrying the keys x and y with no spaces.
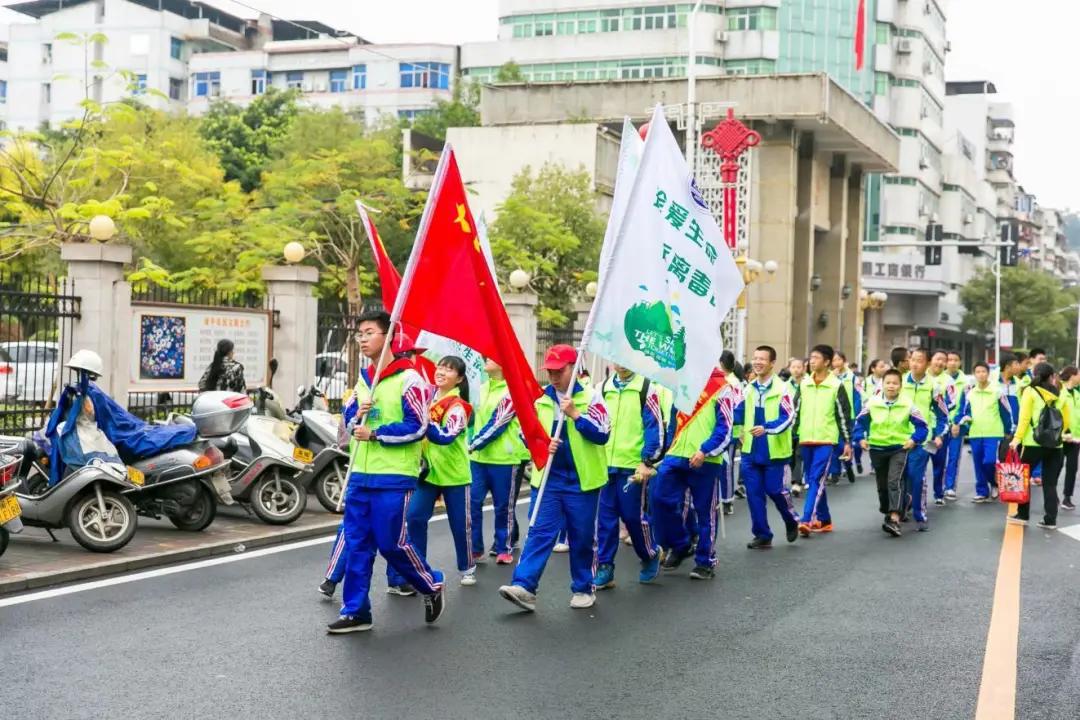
{"x":860,"y":36}
{"x":449,"y":290}
{"x":389,"y":277}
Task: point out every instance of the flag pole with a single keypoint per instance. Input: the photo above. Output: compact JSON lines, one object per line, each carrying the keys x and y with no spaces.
{"x":403,"y":291}
{"x":557,"y":436}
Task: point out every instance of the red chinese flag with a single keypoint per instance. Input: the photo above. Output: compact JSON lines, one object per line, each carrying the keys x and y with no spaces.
{"x":389,"y":277}
{"x":451,"y":293}
{"x":860,"y":36}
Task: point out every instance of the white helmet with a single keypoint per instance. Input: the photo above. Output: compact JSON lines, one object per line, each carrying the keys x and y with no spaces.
{"x":87,"y":360}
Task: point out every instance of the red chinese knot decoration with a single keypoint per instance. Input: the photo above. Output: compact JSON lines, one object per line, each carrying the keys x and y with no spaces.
{"x":730,"y":139}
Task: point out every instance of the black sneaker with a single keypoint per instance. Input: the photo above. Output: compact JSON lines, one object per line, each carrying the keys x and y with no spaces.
{"x":729,"y":508}
{"x":792,"y":533}
{"x":401,"y":590}
{"x":327,"y":588}
{"x":347,"y":624}
{"x":1066,"y":504}
{"x":833,"y":480}
{"x":1047,"y":525}
{"x":759,"y":544}
{"x":434,"y":606}
{"x":939,"y":501}
{"x":740,"y":492}
{"x":859,"y":468}
{"x":851,"y":475}
{"x":675,"y":558}
{"x":892,"y":527}
{"x":493,"y":553}
{"x":702,"y":572}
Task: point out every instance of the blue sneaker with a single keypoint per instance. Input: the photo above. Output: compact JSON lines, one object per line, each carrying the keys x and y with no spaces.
{"x":605,"y":577}
{"x":650,"y":568}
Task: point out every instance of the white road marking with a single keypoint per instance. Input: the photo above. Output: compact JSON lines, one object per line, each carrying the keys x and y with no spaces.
{"x":186,"y":567}
{"x":1072,"y":531}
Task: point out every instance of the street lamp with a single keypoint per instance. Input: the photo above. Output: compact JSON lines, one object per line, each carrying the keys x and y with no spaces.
{"x":294,"y":252}
{"x":869,"y":301}
{"x":102,"y":228}
{"x":519,"y":279}
{"x":752,"y":270}
{"x":591,"y":288}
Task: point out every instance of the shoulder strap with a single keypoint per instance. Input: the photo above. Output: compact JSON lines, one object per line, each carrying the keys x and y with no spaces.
{"x":644,"y":392}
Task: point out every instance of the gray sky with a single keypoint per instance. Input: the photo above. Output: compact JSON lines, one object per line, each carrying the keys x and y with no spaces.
{"x":1026,"y":49}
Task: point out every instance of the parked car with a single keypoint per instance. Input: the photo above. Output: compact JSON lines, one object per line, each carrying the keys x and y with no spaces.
{"x":28,"y":371}
{"x":331,"y":374}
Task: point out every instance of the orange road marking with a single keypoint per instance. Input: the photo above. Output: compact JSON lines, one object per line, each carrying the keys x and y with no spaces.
{"x":997,"y":692}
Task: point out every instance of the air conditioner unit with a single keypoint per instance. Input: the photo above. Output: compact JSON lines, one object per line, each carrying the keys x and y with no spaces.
{"x":926,"y":9}
{"x":924,"y":162}
{"x":924,"y":210}
{"x":968,"y":219}
{"x":948,"y":46}
{"x":924,"y":113}
{"x":721,"y":36}
{"x":306,"y":87}
{"x":926,"y":68}
{"x":904,"y":46}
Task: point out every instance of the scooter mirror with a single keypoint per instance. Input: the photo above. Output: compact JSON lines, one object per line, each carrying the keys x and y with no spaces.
{"x":273,"y":367}
{"x":300,"y":391}
{"x":323,"y":368}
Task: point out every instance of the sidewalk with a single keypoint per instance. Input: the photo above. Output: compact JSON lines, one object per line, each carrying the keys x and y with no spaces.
{"x":34,"y":561}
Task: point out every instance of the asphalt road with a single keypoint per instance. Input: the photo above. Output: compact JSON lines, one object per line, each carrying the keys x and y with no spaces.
{"x":849,"y":625}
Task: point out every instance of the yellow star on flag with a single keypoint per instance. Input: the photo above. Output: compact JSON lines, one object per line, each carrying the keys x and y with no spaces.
{"x":462,"y":220}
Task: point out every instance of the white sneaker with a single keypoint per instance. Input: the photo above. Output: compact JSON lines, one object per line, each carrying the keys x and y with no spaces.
{"x":582,"y":601}
{"x":468,"y":578}
{"x":519,"y":596}
{"x":561,"y":548}
{"x":950,"y":494}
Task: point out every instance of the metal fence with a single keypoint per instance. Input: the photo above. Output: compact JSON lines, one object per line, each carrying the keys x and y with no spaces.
{"x":37,"y":315}
{"x":339,"y":361}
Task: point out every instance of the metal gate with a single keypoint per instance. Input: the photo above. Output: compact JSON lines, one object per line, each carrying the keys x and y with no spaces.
{"x":37,"y":315}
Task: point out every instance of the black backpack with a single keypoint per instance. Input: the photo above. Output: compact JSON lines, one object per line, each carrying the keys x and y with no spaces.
{"x":1048,"y":430}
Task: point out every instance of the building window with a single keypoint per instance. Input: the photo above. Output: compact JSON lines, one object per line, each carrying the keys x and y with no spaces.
{"x":176,"y":88}
{"x":46,"y":53}
{"x":3,"y":54}
{"x":258,"y":81}
{"x":425,"y":75}
{"x":207,"y":84}
{"x":46,"y":92}
{"x":294,"y":80}
{"x":359,"y":77}
{"x":176,"y":48}
{"x":609,"y":20}
{"x":339,"y":81}
{"x":412,"y":114}
{"x":3,"y":91}
{"x":752,"y":18}
{"x":139,"y":86}
{"x":881,"y":83}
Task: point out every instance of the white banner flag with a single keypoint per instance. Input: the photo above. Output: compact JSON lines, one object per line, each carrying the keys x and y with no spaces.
{"x":669,"y":279}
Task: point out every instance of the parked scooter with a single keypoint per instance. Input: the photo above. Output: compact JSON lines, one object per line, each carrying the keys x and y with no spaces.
{"x":90,"y":501}
{"x":317,"y":432}
{"x":10,"y":510}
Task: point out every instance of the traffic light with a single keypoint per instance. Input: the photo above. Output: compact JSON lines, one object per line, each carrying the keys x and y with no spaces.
{"x":1009,"y":253}
{"x":935,"y":232}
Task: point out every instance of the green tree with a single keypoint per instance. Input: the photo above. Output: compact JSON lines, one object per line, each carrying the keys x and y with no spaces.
{"x":461,"y":111}
{"x":1040,"y":309}
{"x":549,"y":227}
{"x":244,"y":138}
{"x":509,"y":72}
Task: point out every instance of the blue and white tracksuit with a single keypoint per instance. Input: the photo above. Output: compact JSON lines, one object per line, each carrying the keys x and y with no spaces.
{"x":376,"y":506}
{"x":564,"y":504}
{"x":495,"y":479}
{"x":940,"y":459}
{"x":984,"y":450}
{"x":764,"y":477}
{"x":919,"y":456}
{"x":817,"y":461}
{"x":676,"y":480}
{"x":836,"y":466}
{"x":956,"y":444}
{"x":623,"y":499}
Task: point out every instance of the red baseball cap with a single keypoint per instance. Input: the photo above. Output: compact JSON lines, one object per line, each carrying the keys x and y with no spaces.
{"x":403,"y":343}
{"x":559,"y":356}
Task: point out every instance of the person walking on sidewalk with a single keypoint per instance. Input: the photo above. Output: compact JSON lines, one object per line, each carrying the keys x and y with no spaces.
{"x":890,"y":427}
{"x":386,"y":464}
{"x":495,"y":451}
{"x":943,"y":385}
{"x":729,"y":487}
{"x":921,"y":391}
{"x":823,"y":423}
{"x":984,"y":416}
{"x":448,"y":474}
{"x":766,"y":414}
{"x":578,"y":471}
{"x":1044,"y":419}
{"x":633,"y":450}
{"x":797,"y":368}
{"x":874,"y":377}
{"x":695,"y":463}
{"x":1070,"y":393}
{"x":853,"y":389}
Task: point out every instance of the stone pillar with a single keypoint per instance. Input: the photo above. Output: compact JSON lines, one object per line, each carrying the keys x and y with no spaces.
{"x":521,"y":308}
{"x":829,"y":260}
{"x":802,"y":295}
{"x":96,"y":274}
{"x":874,"y":332}
{"x":582,"y":308}
{"x":773,"y":237}
{"x":849,"y":309}
{"x":295,"y":343}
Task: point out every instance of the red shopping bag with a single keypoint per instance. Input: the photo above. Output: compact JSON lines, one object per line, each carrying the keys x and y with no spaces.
{"x":1014,"y":480}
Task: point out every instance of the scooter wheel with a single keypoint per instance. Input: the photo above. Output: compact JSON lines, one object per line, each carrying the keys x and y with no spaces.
{"x":199,"y":515}
{"x":101,"y":529}
{"x":277,"y":498}
{"x":328,"y":486}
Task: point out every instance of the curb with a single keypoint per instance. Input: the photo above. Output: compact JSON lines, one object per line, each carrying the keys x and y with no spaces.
{"x":119,"y":566}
